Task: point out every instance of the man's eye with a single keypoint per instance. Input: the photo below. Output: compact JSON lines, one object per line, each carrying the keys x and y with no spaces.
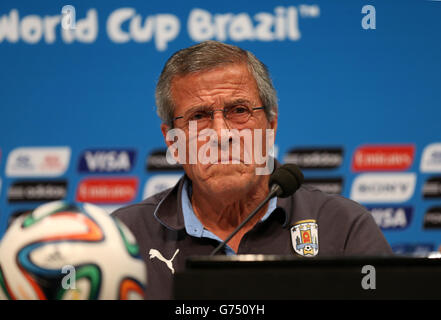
{"x":239,"y":109}
{"x":198,"y":116}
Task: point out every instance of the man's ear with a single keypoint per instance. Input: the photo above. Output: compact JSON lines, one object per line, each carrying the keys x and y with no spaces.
{"x":164,"y":130}
{"x":273,"y":124}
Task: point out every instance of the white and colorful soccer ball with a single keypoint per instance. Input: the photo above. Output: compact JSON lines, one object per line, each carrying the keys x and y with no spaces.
{"x":70,"y":251}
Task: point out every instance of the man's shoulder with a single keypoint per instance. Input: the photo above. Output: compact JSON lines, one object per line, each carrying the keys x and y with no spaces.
{"x":133,"y":213}
{"x":320,"y":201}
{"x":330,"y":209}
{"x":349,"y":227}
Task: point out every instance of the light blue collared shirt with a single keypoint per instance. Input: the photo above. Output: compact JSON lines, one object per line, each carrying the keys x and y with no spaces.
{"x":195,"y":228}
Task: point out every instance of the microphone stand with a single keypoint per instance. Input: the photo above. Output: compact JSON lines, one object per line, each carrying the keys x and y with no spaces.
{"x":273,"y":192}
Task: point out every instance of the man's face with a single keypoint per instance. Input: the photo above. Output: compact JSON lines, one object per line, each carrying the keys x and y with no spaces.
{"x":216,"y":89}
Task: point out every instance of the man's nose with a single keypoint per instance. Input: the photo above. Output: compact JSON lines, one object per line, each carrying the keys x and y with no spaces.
{"x":220,"y":125}
{"x":218,"y":121}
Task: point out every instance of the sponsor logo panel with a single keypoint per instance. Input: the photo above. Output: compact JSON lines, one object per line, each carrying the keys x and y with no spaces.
{"x":383,"y":158}
{"x":160,"y":183}
{"x":157,"y":161}
{"x":38,"y":162}
{"x":432,"y":188}
{"x":432,"y":218}
{"x":315,"y":158}
{"x":414,"y":249}
{"x":383,"y":187}
{"x":30,"y":191}
{"x":431,"y":158}
{"x":107,"y":161}
{"x":328,"y":185}
{"x":107,"y":190}
{"x":391,"y":218}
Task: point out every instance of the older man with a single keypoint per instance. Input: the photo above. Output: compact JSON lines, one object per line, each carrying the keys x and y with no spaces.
{"x":217,"y":88}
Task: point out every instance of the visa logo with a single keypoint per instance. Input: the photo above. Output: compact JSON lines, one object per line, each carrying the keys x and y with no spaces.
{"x":391,"y":218}
{"x":105,"y":161}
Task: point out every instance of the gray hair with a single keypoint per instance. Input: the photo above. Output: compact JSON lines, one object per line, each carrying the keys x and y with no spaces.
{"x":205,"y":56}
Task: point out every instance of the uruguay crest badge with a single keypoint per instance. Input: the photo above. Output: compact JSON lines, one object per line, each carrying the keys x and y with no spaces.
{"x":304,"y":238}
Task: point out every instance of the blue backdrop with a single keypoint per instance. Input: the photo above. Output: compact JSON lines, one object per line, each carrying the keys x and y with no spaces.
{"x":78,"y":120}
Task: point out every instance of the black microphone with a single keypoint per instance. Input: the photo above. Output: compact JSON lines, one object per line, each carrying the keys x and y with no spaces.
{"x":284,"y":181}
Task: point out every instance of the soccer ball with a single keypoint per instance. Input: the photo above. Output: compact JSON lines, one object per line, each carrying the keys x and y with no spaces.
{"x":66,"y":251}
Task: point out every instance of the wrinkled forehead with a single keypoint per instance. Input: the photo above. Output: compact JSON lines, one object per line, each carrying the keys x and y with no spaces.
{"x":218,"y":86}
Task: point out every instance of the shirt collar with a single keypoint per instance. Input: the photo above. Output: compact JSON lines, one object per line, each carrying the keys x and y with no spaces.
{"x":194,"y":227}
